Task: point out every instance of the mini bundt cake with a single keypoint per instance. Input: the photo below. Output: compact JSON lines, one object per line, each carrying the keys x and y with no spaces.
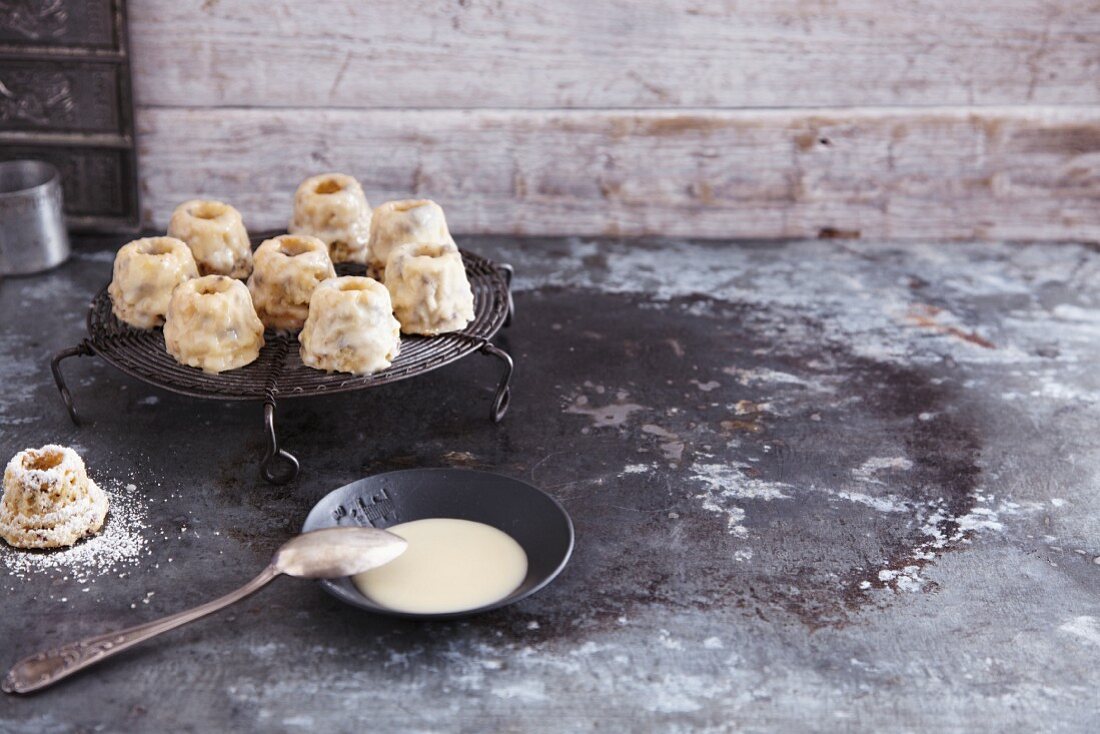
{"x":333,"y":208}
{"x":216,"y":235}
{"x":212,"y":325}
{"x":351,"y":327}
{"x":429,"y":289}
{"x":49,"y":501}
{"x":146,"y":272}
{"x":399,"y":222}
{"x":287,"y":269}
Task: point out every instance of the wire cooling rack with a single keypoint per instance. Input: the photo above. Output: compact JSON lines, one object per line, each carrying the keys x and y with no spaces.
{"x":279,"y":373}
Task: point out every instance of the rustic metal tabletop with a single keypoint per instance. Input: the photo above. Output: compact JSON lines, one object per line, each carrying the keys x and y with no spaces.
{"x":817,"y":486}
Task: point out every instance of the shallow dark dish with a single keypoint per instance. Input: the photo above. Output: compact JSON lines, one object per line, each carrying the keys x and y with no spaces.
{"x":535,"y":519}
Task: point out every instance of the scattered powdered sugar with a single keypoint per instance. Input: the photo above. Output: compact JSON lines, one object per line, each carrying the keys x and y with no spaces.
{"x":903,"y":579}
{"x":942,"y":530}
{"x":1085,"y":627}
{"x":980,"y":518}
{"x":886,"y":503}
{"x":120,"y":543}
{"x":725,"y":486}
{"x":636,"y":469}
{"x":729,"y":482}
{"x":765,"y":375}
{"x":870,"y":470}
{"x":734,"y":515}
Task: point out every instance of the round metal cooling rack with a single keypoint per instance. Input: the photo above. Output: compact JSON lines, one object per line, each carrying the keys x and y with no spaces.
{"x":279,"y":373}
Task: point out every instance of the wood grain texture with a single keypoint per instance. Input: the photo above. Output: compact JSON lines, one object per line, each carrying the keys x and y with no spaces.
{"x":1002,"y":173}
{"x":615,"y":53}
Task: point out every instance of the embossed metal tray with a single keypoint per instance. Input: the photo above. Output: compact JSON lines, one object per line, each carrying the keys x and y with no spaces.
{"x":279,"y":373}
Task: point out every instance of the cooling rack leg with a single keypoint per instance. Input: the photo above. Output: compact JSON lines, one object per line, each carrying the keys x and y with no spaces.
{"x":504,"y":390}
{"x":509,"y":272}
{"x":269,"y":468}
{"x":79,"y":350}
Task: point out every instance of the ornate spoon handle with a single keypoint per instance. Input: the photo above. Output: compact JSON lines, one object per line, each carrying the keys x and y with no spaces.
{"x":43,"y":669}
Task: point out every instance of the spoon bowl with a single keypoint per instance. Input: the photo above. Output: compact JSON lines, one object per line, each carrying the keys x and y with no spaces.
{"x":337,"y":552}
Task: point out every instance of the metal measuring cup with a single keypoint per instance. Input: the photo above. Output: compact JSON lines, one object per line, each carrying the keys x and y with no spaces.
{"x":33,"y":237}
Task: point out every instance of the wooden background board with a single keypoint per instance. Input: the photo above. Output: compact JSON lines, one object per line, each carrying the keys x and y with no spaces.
{"x":615,"y":53}
{"x":942,"y":119}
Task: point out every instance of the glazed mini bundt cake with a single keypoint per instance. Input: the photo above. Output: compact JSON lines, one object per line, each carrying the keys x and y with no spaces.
{"x":216,"y":235}
{"x":400,"y":222}
{"x":333,"y":208}
{"x":146,"y":271}
{"x":286,"y":270}
{"x":351,"y":327}
{"x":49,"y":501}
{"x":429,"y":289}
{"x":212,"y":325}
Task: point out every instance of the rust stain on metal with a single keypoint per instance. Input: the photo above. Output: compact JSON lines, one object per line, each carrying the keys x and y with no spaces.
{"x":461,"y":458}
{"x":748,"y":407}
{"x":749,"y":426}
{"x":924,"y":316}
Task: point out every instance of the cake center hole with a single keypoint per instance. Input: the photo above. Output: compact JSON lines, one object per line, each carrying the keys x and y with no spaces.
{"x":329,"y":186}
{"x":213,"y":287}
{"x":157,"y":247}
{"x":352,"y":285}
{"x":431,"y":250}
{"x":294,"y":246}
{"x":406,"y":206}
{"x":42,"y":460}
{"x":208,"y":210}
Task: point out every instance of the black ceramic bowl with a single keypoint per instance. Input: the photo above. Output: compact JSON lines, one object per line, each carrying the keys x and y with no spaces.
{"x":532,"y":517}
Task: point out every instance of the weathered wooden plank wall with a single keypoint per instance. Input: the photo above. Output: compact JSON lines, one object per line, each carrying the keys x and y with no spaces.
{"x":942,"y":119}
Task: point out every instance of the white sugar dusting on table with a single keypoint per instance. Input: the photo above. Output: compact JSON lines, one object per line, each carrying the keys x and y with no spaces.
{"x":121,"y":543}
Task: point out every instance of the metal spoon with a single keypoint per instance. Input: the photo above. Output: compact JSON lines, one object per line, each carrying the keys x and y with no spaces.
{"x":321,"y":554}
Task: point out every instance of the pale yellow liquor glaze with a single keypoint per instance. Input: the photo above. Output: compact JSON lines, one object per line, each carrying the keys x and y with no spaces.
{"x":350,"y":327}
{"x":212,"y":325}
{"x":400,"y":222}
{"x":450,"y":565}
{"x":429,"y":289}
{"x":333,"y":208}
{"x":146,"y":271}
{"x":286,"y":271}
{"x":216,"y":235}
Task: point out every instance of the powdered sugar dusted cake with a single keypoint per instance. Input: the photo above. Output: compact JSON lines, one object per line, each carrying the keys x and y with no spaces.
{"x":49,"y":501}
